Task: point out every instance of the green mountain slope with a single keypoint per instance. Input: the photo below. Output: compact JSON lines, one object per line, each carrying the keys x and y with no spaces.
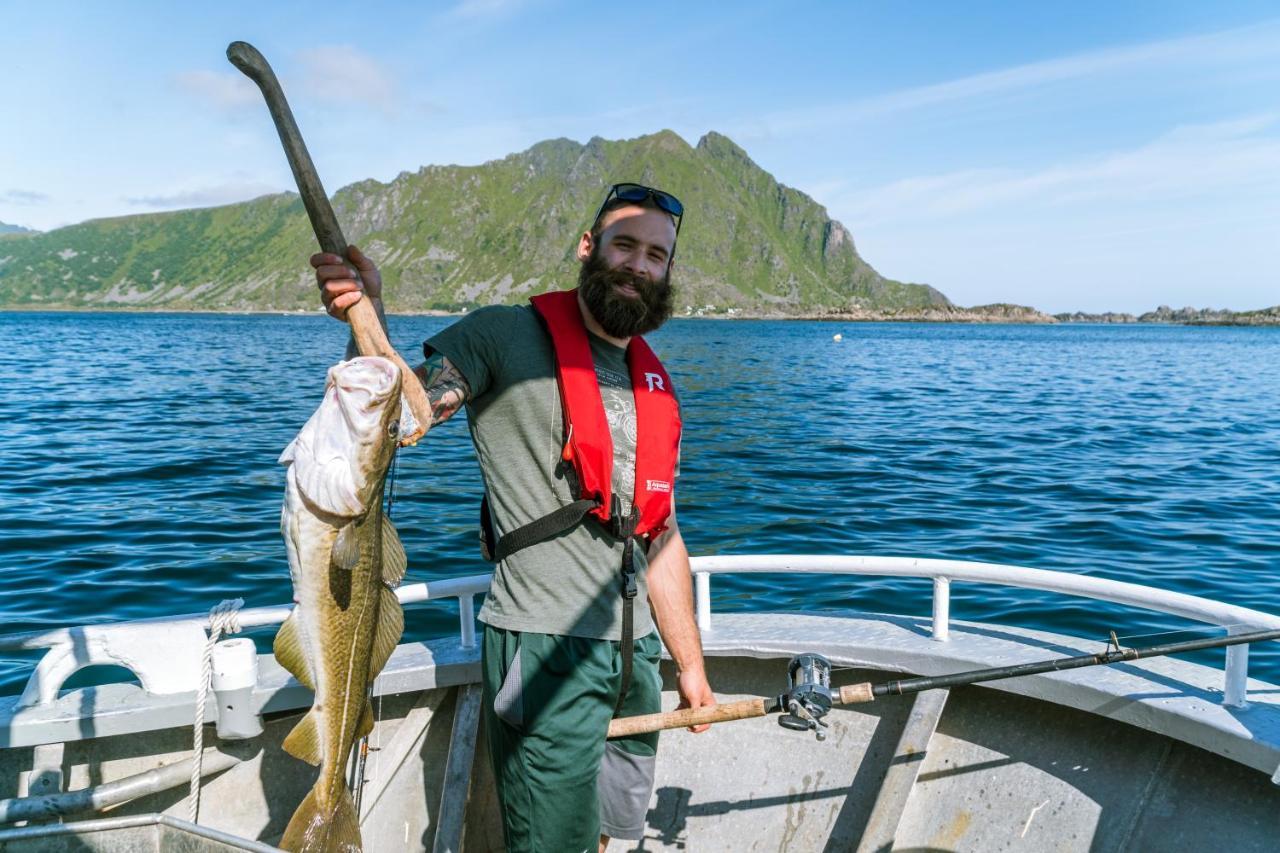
{"x":454,"y":236}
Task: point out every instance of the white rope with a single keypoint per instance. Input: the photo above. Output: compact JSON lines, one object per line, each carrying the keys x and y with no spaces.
{"x":223,"y":619}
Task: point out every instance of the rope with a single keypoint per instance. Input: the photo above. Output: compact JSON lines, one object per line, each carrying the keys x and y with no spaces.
{"x":223,"y":619}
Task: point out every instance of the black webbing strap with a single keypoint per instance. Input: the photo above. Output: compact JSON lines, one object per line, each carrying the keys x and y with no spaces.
{"x":563,"y":519}
{"x":624,"y":527}
{"x":552,"y":524}
{"x":627,"y":641}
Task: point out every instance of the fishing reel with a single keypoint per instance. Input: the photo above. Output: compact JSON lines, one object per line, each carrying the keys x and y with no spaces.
{"x":808,"y":696}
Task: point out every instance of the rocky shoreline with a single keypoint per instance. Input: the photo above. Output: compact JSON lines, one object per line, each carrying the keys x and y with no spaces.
{"x":979,"y":314}
{"x":998,"y":313}
{"x":1182,"y":317}
{"x":1004,"y":312}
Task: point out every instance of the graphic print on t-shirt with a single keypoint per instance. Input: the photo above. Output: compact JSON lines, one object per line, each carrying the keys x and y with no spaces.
{"x":569,"y":587}
{"x":620,"y":409}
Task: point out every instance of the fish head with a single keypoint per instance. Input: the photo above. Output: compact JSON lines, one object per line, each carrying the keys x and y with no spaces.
{"x":341,"y":455}
{"x":368,"y":393}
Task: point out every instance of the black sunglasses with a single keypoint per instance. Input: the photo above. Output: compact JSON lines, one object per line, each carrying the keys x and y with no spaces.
{"x":637,"y":193}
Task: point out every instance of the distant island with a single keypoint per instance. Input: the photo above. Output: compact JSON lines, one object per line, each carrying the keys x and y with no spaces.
{"x":1009,"y":313}
{"x":452,"y":238}
{"x":1182,"y":316}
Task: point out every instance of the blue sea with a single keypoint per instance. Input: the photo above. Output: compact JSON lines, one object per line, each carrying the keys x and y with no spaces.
{"x":140,"y":475}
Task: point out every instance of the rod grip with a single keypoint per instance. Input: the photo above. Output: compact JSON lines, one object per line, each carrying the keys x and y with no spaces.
{"x":853,"y":694}
{"x":645,"y":723}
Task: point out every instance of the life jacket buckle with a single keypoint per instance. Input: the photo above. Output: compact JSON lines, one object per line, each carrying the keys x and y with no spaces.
{"x":629,"y":568}
{"x":621,"y":526}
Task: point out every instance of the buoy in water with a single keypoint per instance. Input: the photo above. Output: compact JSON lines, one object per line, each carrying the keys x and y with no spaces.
{"x":837,"y":337}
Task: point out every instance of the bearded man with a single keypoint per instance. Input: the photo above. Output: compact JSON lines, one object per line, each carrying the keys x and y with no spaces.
{"x":576,"y":427}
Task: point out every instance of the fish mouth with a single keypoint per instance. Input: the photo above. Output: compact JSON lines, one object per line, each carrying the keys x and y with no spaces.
{"x":367,"y":381}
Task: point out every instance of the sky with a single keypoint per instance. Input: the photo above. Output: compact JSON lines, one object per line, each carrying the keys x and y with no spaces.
{"x":1093,"y":156}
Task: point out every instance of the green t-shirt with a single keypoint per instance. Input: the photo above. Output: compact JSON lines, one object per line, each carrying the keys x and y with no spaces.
{"x":570,"y":584}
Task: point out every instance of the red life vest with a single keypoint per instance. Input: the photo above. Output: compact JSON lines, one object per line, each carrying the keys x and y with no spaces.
{"x":589,"y":445}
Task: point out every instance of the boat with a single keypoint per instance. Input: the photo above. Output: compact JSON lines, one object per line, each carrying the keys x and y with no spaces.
{"x":1158,"y":754}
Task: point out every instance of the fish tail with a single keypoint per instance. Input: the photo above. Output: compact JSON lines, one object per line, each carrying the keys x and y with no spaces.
{"x":332,"y":829}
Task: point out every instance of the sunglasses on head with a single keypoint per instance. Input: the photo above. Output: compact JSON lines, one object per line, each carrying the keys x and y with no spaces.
{"x":638,"y":193}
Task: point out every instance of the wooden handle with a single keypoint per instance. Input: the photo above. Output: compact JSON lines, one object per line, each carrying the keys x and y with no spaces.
{"x":366,"y":329}
{"x":851,"y":694}
{"x":323,"y":221}
{"x":627,"y":726}
{"x":371,"y":339}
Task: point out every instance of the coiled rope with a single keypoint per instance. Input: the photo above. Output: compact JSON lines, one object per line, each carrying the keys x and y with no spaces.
{"x":223,"y":619}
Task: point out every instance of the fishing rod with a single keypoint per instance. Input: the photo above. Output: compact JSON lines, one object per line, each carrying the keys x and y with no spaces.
{"x":809,"y":695}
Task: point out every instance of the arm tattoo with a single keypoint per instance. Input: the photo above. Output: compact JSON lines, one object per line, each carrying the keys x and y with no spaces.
{"x":447,"y":388}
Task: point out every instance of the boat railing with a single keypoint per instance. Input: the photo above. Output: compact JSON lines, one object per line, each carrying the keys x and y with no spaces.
{"x":158,"y":651}
{"x":1233,"y":618}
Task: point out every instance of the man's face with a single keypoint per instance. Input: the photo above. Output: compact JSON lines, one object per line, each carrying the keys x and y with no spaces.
{"x":625,"y":280}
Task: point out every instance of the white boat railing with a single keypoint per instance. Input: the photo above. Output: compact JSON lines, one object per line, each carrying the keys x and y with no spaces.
{"x":153,"y":649}
{"x":159,"y":651}
{"x":1231,"y":617}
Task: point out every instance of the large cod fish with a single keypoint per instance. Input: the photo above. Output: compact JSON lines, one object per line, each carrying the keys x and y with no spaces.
{"x":344,"y":557}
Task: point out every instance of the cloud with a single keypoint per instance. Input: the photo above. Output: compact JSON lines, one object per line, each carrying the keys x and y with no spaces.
{"x":1193,"y":162}
{"x":205,"y":196}
{"x":342,"y":74}
{"x":22,"y":197}
{"x":224,"y":89}
{"x":1254,"y":42}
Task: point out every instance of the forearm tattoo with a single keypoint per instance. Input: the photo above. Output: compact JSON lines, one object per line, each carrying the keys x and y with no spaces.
{"x":447,"y":388}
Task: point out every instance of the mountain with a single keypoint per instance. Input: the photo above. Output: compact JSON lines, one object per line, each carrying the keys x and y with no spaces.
{"x":6,"y":228}
{"x":448,"y":237}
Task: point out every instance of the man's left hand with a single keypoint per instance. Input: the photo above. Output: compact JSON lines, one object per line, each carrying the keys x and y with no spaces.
{"x":695,"y":692}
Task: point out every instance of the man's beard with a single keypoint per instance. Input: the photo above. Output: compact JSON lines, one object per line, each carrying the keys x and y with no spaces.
{"x":622,"y":316}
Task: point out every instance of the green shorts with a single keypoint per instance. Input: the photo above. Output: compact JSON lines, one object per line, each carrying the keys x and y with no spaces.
{"x":547,"y":701}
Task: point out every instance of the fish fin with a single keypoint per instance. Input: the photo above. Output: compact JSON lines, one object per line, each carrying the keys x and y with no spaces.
{"x":390,"y":627}
{"x":304,"y":741}
{"x":346,"y":548}
{"x":317,"y":828}
{"x":287,"y":648}
{"x":366,"y":721}
{"x":394,"y":560}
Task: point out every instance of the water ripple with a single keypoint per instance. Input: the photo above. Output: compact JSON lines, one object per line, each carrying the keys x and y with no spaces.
{"x":141,"y":475}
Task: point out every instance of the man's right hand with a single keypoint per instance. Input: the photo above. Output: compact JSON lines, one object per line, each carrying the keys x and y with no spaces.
{"x":343,"y":281}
